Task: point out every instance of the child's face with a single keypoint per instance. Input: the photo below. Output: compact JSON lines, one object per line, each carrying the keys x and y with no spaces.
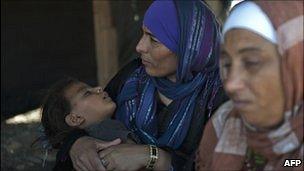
{"x":93,"y":104}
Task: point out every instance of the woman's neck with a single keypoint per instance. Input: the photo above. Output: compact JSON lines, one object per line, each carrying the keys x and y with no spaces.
{"x":166,"y":101}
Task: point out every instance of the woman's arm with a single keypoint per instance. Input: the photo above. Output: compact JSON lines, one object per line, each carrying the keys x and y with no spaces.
{"x":164,"y":161}
{"x":133,"y":157}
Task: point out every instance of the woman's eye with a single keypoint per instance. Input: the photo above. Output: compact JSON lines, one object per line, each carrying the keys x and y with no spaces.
{"x":226,"y":65}
{"x":153,"y":40}
{"x":251,"y":64}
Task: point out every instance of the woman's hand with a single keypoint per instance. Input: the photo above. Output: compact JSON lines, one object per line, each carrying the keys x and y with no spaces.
{"x":132,"y":157}
{"x":84,"y":153}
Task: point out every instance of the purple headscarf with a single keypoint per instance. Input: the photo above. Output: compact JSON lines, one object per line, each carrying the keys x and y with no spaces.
{"x":161,"y":19}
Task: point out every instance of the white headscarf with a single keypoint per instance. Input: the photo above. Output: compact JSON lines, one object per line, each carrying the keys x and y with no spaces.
{"x":250,"y":16}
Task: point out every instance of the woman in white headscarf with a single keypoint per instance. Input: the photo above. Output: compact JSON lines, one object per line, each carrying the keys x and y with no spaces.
{"x":262,"y":72}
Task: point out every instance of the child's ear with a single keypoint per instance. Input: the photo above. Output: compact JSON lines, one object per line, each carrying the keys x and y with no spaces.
{"x":74,"y":120}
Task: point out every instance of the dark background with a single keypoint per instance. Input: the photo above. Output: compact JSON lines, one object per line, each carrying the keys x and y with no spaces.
{"x":44,"y":40}
{"x":41,"y":41}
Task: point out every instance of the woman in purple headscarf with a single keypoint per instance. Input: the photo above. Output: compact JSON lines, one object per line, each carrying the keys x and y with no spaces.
{"x":165,"y":97}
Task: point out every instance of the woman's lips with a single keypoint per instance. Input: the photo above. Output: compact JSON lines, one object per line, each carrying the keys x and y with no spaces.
{"x":145,"y":62}
{"x":240,"y":104}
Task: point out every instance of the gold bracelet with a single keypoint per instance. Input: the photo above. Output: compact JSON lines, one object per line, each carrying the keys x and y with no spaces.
{"x":153,"y":157}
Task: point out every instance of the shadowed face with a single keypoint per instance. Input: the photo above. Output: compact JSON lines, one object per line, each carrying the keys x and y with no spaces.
{"x":250,"y":70}
{"x":157,"y":59}
{"x":93,"y":104}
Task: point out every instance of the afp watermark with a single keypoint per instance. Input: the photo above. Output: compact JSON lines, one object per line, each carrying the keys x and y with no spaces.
{"x":292,"y":163}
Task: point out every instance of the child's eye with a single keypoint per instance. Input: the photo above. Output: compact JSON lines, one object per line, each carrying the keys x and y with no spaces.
{"x":87,"y":93}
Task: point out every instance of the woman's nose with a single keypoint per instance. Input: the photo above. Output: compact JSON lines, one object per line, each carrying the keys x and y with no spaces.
{"x":234,"y":83}
{"x":142,"y":46}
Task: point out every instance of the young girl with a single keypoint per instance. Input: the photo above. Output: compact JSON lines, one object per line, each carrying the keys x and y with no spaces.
{"x":71,"y":104}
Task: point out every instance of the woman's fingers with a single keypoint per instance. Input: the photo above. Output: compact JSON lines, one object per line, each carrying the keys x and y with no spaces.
{"x":76,"y":167}
{"x":79,"y":167}
{"x":77,"y":164}
{"x":93,"y":161}
{"x":90,"y":162}
{"x":110,"y":163}
{"x":100,"y":145}
{"x":103,"y":145}
{"x":84,"y":154}
{"x":104,"y":152}
{"x":96,"y":164}
{"x":85,"y":162}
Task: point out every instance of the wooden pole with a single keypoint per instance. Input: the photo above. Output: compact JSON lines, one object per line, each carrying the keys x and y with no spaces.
{"x":217,"y":8}
{"x":105,"y":42}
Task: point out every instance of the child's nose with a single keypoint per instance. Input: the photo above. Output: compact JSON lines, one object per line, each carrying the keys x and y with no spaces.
{"x":98,"y":89}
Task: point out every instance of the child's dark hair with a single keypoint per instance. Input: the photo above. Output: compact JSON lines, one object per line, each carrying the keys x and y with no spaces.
{"x":54,"y":110}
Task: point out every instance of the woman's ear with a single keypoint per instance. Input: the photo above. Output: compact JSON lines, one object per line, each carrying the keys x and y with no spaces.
{"x":74,"y":120}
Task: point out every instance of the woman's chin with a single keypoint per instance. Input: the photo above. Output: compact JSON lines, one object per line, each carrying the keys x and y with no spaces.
{"x":261,"y":122}
{"x":150,"y":71}
{"x":155,"y":73}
